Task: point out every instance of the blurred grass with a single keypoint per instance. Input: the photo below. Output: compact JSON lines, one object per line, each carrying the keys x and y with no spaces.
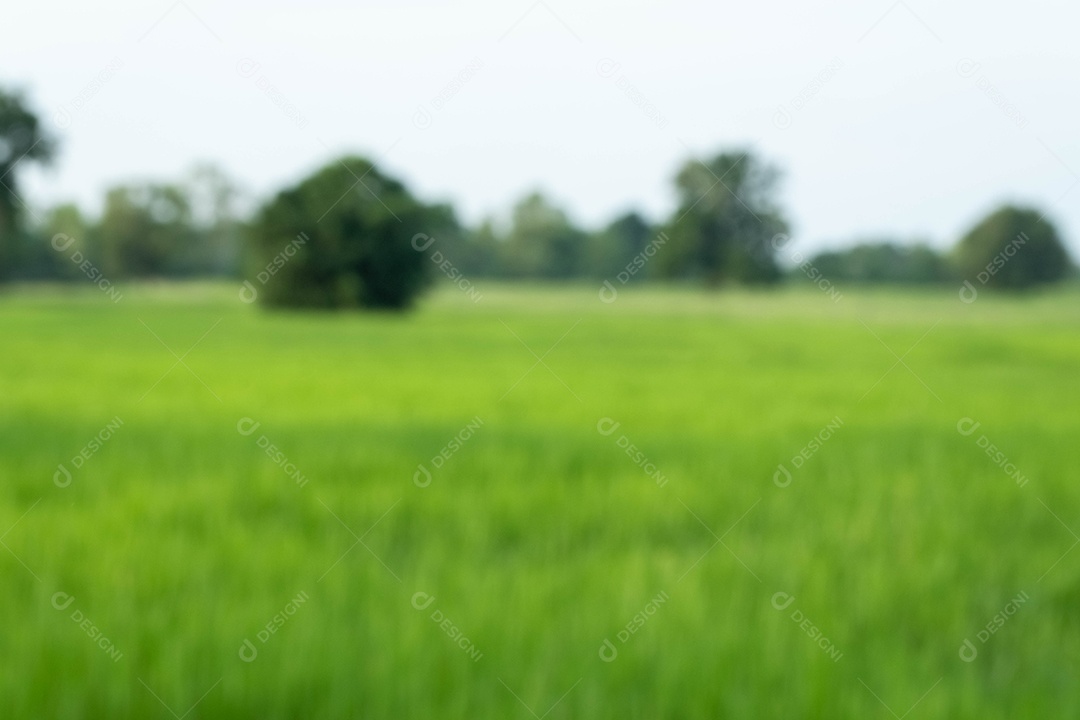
{"x":539,"y":537}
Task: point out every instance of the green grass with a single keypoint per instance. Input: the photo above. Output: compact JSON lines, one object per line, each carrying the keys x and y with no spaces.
{"x":540,"y":537}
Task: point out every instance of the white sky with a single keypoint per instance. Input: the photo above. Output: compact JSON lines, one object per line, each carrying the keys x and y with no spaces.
{"x":902,"y":138}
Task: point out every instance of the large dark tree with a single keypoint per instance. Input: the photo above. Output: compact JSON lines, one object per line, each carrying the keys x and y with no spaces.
{"x":1012,"y":248}
{"x":22,"y":141}
{"x":346,"y":237}
{"x":725,"y":221}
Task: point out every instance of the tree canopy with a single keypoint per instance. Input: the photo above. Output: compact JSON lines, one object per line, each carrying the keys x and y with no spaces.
{"x":884,"y":262}
{"x":22,"y":141}
{"x":727,"y":215}
{"x":347,"y":235}
{"x":343,"y":237}
{"x":1013,"y":248}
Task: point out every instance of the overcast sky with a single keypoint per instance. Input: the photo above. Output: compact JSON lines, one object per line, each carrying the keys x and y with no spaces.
{"x":905,"y":119}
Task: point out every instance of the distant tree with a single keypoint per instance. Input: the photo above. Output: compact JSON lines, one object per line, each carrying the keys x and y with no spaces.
{"x":68,"y":219}
{"x":218,"y":237}
{"x":884,"y":262}
{"x":42,"y":260}
{"x":344,"y":237}
{"x":480,"y":251}
{"x":542,"y":241}
{"x":22,"y":141}
{"x":725,"y":220}
{"x":1013,"y":248}
{"x":146,"y":231}
{"x":613,"y":248}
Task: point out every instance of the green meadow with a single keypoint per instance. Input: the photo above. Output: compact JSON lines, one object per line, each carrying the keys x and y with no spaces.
{"x":674,"y":505}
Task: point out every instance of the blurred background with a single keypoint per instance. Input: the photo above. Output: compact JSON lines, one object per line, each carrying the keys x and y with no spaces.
{"x":684,"y":361}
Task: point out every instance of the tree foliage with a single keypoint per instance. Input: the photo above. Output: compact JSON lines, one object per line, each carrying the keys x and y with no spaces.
{"x":1013,"y":248}
{"x":884,"y":262}
{"x":343,"y":237}
{"x":145,"y":231}
{"x":614,"y":248}
{"x":346,"y":236}
{"x":542,"y":242}
{"x":726,"y":217}
{"x":22,"y":141}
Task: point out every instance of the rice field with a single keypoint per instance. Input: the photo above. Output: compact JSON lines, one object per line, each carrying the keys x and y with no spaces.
{"x":674,"y":505}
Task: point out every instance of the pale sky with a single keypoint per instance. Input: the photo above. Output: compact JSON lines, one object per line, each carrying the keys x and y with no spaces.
{"x":905,"y":119}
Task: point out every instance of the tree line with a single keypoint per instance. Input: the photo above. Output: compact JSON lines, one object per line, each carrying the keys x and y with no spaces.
{"x":347,"y":235}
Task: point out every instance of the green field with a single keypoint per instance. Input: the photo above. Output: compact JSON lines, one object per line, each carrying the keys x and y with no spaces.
{"x":539,"y":537}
